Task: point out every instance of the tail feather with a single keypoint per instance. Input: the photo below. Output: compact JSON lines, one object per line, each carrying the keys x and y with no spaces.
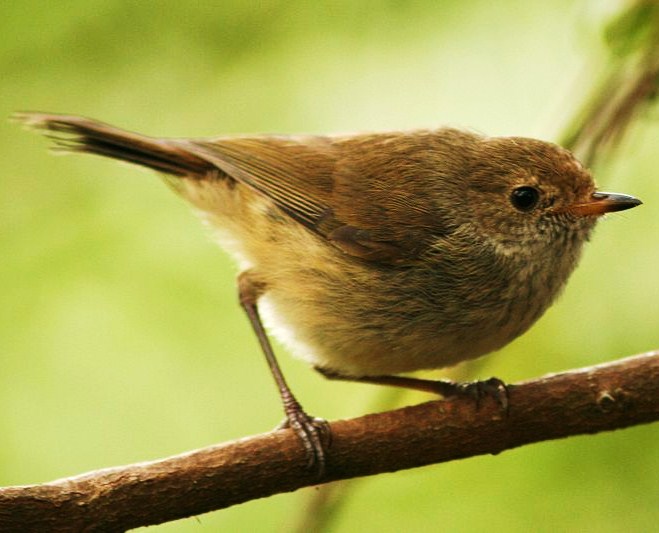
{"x":79,"y":134}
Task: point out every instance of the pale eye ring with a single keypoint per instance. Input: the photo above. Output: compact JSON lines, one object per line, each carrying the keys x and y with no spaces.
{"x":525,"y":198}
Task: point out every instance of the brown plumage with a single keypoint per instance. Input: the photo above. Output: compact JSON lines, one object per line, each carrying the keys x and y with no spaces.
{"x":380,"y":253}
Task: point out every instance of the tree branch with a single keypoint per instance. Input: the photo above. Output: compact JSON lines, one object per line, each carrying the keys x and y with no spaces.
{"x":588,"y":400}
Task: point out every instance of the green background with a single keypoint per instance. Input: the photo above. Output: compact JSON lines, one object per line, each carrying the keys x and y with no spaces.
{"x":120,"y":336}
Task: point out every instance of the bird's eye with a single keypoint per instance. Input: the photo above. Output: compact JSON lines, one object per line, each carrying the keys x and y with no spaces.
{"x":525,"y":198}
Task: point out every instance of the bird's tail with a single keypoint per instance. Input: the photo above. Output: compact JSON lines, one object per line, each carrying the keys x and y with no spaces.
{"x":79,"y":134}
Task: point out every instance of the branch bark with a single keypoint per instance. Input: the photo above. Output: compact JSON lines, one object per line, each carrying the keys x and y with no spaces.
{"x":588,"y":400}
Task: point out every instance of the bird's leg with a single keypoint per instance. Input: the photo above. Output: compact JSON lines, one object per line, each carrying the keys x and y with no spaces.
{"x":493,"y":387}
{"x":313,"y":432}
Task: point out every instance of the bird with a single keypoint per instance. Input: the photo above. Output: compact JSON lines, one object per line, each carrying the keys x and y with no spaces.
{"x":371,"y":255}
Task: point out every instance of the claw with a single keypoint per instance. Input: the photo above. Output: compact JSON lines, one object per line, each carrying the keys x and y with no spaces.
{"x":314,"y":432}
{"x":492,"y":387}
{"x":315,"y":435}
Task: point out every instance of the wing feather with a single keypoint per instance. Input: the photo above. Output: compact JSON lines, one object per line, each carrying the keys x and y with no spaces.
{"x":297,"y":177}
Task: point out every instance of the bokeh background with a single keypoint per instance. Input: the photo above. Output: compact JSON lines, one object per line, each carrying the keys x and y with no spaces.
{"x":120,"y":336}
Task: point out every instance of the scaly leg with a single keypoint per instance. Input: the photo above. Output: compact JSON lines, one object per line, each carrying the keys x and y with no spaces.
{"x":493,"y":387}
{"x":313,"y":432}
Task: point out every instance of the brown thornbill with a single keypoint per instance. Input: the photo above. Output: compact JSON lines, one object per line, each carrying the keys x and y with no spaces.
{"x":377,"y":254}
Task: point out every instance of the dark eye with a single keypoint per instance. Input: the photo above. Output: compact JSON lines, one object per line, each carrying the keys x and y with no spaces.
{"x":525,"y":198}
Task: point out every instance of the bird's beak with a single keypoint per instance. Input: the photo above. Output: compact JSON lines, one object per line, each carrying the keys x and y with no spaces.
{"x":603,"y":202}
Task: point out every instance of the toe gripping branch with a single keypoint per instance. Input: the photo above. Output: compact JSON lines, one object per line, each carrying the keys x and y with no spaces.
{"x":492,"y":387}
{"x":313,"y":432}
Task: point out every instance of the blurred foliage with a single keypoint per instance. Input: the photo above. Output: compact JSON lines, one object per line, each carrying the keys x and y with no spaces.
{"x":634,"y":28}
{"x":627,"y":85}
{"x":120,"y":335}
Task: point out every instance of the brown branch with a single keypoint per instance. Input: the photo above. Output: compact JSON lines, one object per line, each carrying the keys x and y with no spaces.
{"x":605,"y":397}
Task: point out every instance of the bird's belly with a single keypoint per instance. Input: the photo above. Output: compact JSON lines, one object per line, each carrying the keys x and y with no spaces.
{"x":374,"y":327}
